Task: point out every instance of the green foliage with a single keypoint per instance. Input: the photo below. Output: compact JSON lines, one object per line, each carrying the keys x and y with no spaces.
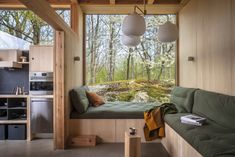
{"x":128,"y":90}
{"x":126,"y":96}
{"x":28,"y":26}
{"x":109,"y":60}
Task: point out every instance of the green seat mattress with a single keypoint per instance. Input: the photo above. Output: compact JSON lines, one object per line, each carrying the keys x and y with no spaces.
{"x":115,"y":110}
{"x":210,"y":140}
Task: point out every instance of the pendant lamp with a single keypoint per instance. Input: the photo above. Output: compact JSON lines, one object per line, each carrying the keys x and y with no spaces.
{"x":133,"y":27}
{"x":134,"y":24}
{"x":130,"y":41}
{"x":168,"y":32}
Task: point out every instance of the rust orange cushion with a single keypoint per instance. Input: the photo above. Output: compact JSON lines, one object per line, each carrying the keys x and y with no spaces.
{"x":95,"y":99}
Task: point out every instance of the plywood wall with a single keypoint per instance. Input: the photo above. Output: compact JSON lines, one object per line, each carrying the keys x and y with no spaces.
{"x":206,"y":34}
{"x":233,"y":46}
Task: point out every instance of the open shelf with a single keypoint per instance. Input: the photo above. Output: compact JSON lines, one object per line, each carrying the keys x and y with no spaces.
{"x":17,"y":108}
{"x":23,"y":62}
{"x":3,"y":107}
{"x":15,"y":121}
{"x":13,"y":108}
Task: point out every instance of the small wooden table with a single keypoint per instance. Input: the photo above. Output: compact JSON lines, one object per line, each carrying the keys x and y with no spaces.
{"x":132,"y":145}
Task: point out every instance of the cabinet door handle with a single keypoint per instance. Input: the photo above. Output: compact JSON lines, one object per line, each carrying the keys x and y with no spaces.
{"x":32,"y":58}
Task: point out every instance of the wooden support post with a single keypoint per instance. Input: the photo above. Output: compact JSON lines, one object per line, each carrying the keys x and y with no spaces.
{"x":132,"y":145}
{"x":59,"y":102}
{"x":74,"y":17}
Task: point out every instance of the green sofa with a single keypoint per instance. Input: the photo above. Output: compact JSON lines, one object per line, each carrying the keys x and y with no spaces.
{"x":217,"y":137}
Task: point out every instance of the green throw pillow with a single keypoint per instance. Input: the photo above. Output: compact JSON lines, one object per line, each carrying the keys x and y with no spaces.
{"x":79,"y":99}
{"x":183,"y":98}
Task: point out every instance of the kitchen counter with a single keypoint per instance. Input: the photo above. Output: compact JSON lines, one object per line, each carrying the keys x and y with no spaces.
{"x":13,"y":96}
{"x":25,"y":96}
{"x":41,"y":96}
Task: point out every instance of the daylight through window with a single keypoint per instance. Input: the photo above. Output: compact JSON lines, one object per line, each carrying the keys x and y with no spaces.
{"x":145,"y":73}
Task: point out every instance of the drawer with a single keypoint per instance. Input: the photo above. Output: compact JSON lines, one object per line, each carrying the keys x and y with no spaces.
{"x":3,"y":132}
{"x":17,"y":132}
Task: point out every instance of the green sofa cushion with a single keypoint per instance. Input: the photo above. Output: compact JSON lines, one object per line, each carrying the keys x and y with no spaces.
{"x":116,"y":110}
{"x":183,"y":98}
{"x":210,"y":140}
{"x":79,"y":99}
{"x":216,"y":107}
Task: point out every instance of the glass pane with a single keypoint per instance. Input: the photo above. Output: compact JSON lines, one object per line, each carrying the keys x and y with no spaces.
{"x":145,"y":73}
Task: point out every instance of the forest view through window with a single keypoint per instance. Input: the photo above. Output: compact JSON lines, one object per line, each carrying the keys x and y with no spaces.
{"x":145,"y":73}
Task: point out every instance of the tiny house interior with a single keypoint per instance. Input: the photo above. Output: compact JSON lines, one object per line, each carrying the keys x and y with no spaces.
{"x":125,"y":78}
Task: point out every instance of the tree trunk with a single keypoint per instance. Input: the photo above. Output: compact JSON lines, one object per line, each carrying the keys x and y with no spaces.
{"x":93,"y":50}
{"x":111,"y":51}
{"x":128,"y":64}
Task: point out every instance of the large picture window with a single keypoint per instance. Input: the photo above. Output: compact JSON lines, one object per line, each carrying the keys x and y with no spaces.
{"x":144,"y":73}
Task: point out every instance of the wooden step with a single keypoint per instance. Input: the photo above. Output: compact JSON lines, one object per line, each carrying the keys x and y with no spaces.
{"x":83,"y":140}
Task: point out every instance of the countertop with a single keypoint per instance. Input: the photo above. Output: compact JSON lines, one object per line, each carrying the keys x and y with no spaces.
{"x":25,"y":96}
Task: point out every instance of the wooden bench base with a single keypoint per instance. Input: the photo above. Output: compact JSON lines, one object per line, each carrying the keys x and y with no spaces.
{"x":108,"y":130}
{"x":176,"y":146}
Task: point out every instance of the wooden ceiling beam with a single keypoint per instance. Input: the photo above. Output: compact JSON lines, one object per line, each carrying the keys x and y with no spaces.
{"x":52,"y":2}
{"x":74,"y":1}
{"x":150,"y":1}
{"x":184,"y":2}
{"x":43,"y":9}
{"x":126,"y":9}
{"x":21,"y":6}
{"x":112,"y":1}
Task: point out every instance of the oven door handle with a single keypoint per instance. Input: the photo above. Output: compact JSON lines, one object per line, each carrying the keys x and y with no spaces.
{"x":41,"y":100}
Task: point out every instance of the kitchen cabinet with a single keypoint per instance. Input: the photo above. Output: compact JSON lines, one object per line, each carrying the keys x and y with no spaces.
{"x":41,"y":58}
{"x":10,"y":58}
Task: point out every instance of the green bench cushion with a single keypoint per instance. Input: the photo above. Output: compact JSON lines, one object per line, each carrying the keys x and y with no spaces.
{"x":79,"y":99}
{"x":211,"y":140}
{"x":183,"y":98}
{"x":115,"y":110}
{"x":216,"y":107}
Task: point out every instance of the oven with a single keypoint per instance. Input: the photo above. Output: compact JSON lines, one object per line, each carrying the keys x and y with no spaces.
{"x":41,"y":83}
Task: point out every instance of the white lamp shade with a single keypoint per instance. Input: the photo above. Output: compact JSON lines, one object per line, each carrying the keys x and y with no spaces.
{"x":130,"y":41}
{"x":134,"y":25}
{"x":168,"y":32}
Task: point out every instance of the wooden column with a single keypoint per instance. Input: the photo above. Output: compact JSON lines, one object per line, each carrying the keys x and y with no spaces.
{"x":74,"y":17}
{"x":132,"y":145}
{"x":59,"y":105}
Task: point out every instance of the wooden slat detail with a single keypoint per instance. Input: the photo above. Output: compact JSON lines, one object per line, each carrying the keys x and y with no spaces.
{"x":59,"y":83}
{"x":43,"y":9}
{"x":176,"y":146}
{"x":126,"y":9}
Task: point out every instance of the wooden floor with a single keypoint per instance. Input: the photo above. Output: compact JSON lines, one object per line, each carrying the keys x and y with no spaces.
{"x":44,"y":148}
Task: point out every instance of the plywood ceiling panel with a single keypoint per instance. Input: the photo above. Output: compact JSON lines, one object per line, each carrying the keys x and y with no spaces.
{"x":93,"y":1}
{"x":101,"y":2}
{"x":167,"y":2}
